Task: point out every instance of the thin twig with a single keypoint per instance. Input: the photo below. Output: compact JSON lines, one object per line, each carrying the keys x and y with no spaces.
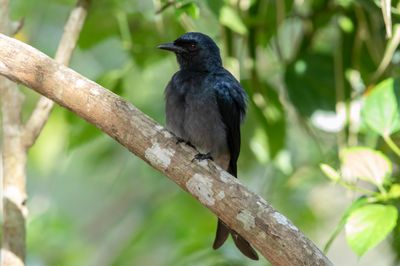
{"x":165,"y":6}
{"x":389,"y":52}
{"x":366,"y":35}
{"x":392,"y":145}
{"x":17,"y":26}
{"x":341,"y":108}
{"x":43,"y":108}
{"x":387,"y":16}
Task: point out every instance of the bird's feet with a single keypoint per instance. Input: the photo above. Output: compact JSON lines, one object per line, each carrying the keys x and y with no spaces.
{"x":180,"y":140}
{"x":203,"y":156}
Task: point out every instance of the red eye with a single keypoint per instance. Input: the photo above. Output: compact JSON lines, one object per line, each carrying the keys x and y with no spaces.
{"x":193,"y":46}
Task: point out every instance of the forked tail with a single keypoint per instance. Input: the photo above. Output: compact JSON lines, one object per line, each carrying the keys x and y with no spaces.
{"x":222,"y":234}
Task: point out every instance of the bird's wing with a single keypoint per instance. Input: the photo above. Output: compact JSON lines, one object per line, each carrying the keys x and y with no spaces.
{"x":231,"y":100}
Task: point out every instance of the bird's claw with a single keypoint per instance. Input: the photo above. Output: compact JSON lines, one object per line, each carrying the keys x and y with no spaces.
{"x":202,"y":156}
{"x":180,"y":140}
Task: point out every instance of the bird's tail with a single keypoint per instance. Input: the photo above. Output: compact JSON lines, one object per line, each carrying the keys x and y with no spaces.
{"x":222,"y":234}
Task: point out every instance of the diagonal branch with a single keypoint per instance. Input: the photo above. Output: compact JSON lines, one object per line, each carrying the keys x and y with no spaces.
{"x":242,"y":210}
{"x":42,"y":111}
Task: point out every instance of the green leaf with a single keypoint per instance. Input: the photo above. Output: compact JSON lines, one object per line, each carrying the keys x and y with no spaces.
{"x":394,"y":192}
{"x":381,"y":109}
{"x":369,"y":225}
{"x":329,"y":172}
{"x":346,"y":24}
{"x":231,"y":19}
{"x":354,"y":206}
{"x":190,"y":8}
{"x":310,"y":83}
{"x":366,"y":164}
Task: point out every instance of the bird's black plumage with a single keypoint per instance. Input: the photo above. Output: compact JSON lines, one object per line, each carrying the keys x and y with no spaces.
{"x":205,"y":106}
{"x":232,"y":107}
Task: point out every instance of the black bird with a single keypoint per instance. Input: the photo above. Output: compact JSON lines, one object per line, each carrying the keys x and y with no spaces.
{"x":205,"y":105}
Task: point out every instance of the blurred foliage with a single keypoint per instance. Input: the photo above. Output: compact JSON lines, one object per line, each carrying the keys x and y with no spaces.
{"x":366,"y":222}
{"x":309,"y":67}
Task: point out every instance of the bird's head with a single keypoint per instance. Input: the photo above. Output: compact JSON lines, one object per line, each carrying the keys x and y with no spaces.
{"x":195,"y":51}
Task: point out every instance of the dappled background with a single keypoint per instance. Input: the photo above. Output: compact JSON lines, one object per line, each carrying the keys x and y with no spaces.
{"x":307,"y":66}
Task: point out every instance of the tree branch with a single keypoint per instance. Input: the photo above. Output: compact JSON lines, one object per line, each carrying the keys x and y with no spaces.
{"x":42,"y":111}
{"x":244,"y":211}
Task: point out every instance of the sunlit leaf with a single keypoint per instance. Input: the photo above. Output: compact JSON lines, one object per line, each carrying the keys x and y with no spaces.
{"x":230,"y":18}
{"x":369,"y":225}
{"x":381,"y":108}
{"x":394,"y":192}
{"x":54,"y":137}
{"x":330,"y":172}
{"x":344,"y":3}
{"x":366,"y":164}
{"x":346,"y":24}
{"x":190,"y":8}
{"x":259,"y":145}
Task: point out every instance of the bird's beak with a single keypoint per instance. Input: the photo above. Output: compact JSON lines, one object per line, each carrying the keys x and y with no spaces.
{"x":170,"y":46}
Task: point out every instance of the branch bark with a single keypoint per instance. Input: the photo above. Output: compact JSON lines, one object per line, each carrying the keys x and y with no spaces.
{"x":18,"y":138}
{"x":244,"y":211}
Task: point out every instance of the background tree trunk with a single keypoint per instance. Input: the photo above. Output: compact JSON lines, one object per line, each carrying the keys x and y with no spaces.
{"x":19,"y":137}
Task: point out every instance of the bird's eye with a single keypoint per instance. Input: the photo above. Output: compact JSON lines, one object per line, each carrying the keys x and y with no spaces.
{"x":192,"y":46}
